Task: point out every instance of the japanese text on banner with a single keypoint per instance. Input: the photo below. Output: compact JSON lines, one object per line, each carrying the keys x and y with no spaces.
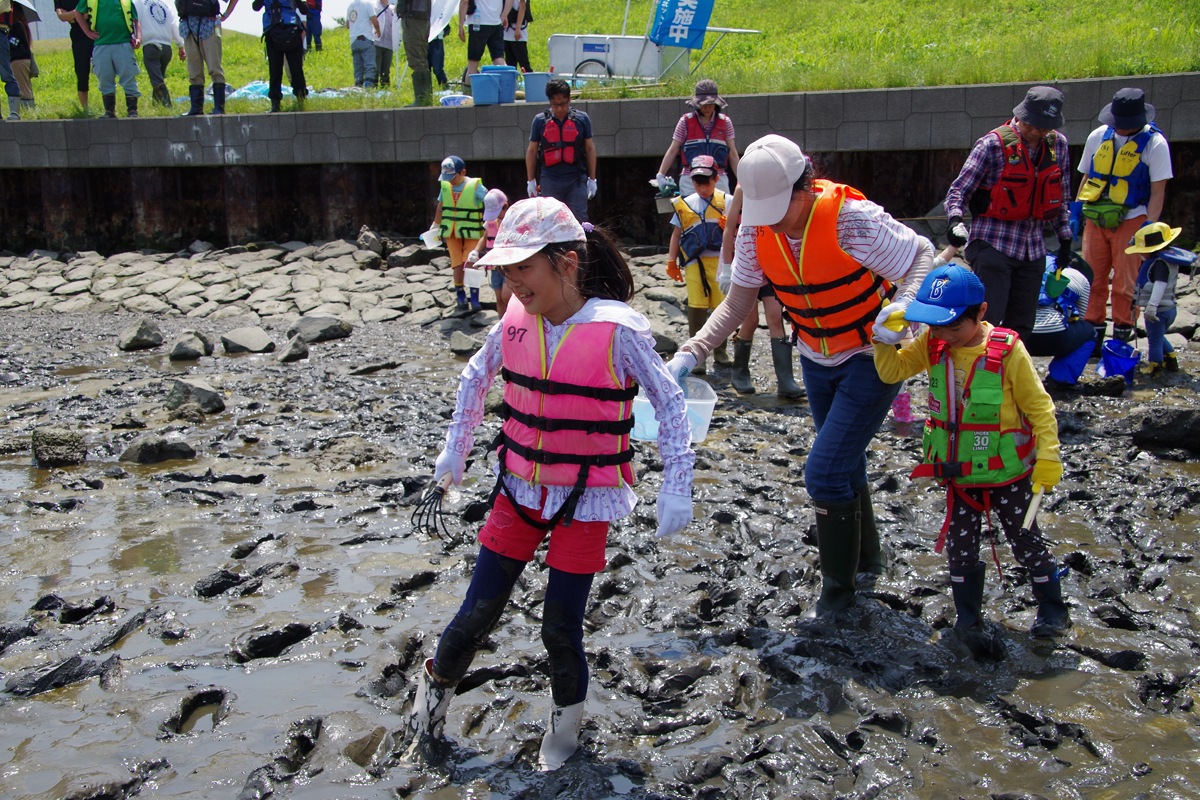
{"x":681,"y":23}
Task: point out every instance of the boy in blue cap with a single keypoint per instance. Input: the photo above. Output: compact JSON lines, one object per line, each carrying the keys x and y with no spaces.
{"x":991,"y":438}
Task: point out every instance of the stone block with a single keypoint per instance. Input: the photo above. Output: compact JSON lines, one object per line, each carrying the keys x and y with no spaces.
{"x":981,"y":125}
{"x":823,"y":110}
{"x":852,"y":136}
{"x":29,"y":134}
{"x":750,"y":133}
{"x":917,"y":132}
{"x":628,"y":142}
{"x":867,"y":106}
{"x":606,"y":146}
{"x":119,"y":155}
{"x":108,"y":131}
{"x":939,"y":99}
{"x":899,"y":103}
{"x":823,"y":140}
{"x":55,"y":158}
{"x":1077,"y":133}
{"x":281,"y":151}
{"x":150,"y":128}
{"x":989,"y":102}
{"x":1185,"y":121}
{"x":950,"y":129}
{"x":669,"y":112}
{"x":151,"y":153}
{"x":457,"y":143}
{"x":97,"y":155}
{"x":379,"y":126}
{"x":210,"y":131}
{"x":638,"y":114}
{"x":409,"y":124}
{"x":212,"y":156}
{"x":315,"y":122}
{"x":350,"y":123}
{"x":510,"y":142}
{"x":354,"y":149}
{"x":237,"y":131}
{"x":382,"y":152}
{"x":785,"y":112}
{"x":35,"y":155}
{"x":1081,"y":100}
{"x":481,"y":143}
{"x":753,"y":109}
{"x":497,"y":116}
{"x":885,"y":135}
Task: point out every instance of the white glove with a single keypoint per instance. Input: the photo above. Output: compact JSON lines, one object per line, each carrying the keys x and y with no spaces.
{"x":591,"y":188}
{"x":472,"y":256}
{"x":674,"y":513}
{"x":886,"y":335}
{"x":679,"y":366}
{"x":661,"y":180}
{"x":1150,"y":313}
{"x":724,"y":276}
{"x":938,"y":262}
{"x":531,"y":188}
{"x":452,"y":463}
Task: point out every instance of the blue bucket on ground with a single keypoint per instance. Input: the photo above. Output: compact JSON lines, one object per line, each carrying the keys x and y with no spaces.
{"x":485,"y":89}
{"x":1068,"y":368}
{"x":508,"y":81}
{"x":535,"y":86}
{"x":1118,"y":358}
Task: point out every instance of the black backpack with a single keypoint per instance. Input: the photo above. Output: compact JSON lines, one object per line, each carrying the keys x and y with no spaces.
{"x":197,"y":8}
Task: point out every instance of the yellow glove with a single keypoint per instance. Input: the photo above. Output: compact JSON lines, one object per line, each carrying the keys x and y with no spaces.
{"x":673,"y":271}
{"x":1046,"y":474}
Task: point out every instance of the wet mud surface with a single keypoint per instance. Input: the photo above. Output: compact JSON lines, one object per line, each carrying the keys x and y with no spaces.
{"x":249,"y":622}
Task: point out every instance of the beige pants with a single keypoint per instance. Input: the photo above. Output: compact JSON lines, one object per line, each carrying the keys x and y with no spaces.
{"x":21,"y":73}
{"x":201,"y":54}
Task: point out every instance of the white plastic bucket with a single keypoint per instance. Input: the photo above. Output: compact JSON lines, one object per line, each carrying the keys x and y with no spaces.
{"x":472,"y":278}
{"x":431,"y":238}
{"x":700,"y":404}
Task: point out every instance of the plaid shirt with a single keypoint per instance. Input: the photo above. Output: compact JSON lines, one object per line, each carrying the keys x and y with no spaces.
{"x":1024,"y":239}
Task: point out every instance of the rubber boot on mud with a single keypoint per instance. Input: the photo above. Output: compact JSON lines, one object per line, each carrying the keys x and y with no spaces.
{"x":131,"y":107}
{"x":428,"y":716}
{"x":110,"y":106}
{"x":460,"y":299}
{"x":196,"y":96}
{"x":1098,"y":349}
{"x":1123,"y":333}
{"x":966,"y":587}
{"x":742,"y":383}
{"x":218,"y":98}
{"x":1151,"y":369}
{"x":562,"y":736}
{"x":872,"y":556}
{"x":1170,"y":362}
{"x":839,"y":538}
{"x":475,"y":306}
{"x":1053,"y":618}
{"x":696,"y":319}
{"x":14,"y":109}
{"x":781,"y":357}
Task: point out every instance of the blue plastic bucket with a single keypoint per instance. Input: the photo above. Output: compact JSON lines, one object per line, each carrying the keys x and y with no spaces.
{"x":485,"y":89}
{"x":1068,"y":368}
{"x":1118,"y":358}
{"x":508,"y":81}
{"x":535,"y":86}
{"x":455,"y":99}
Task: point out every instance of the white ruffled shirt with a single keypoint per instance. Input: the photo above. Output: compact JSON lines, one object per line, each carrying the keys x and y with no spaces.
{"x":633,"y":356}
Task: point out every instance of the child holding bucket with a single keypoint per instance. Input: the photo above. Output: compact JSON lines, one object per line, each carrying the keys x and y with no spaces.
{"x":495,"y":205}
{"x":572,"y":353}
{"x":1155,"y":293}
{"x":991,"y":438}
{"x":458,"y":219}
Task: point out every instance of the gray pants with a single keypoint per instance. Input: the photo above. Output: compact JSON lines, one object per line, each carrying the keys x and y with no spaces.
{"x":363,"y":52}
{"x":383,"y":65}
{"x":156,"y":57}
{"x":111,"y":62}
{"x":571,"y":189}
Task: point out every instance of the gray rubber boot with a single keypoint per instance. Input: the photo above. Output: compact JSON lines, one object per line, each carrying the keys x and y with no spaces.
{"x":696,"y":319}
{"x":872,"y":557}
{"x":742,"y":383}
{"x":14,"y":109}
{"x":839,"y":537}
{"x":1053,"y":618}
{"x":781,"y":357}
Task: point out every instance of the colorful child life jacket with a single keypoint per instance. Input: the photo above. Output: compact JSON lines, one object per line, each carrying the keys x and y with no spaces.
{"x":279,"y":12}
{"x":1120,"y":175}
{"x":462,"y":217}
{"x":566,"y":418}
{"x":1025,"y":190}
{"x":562,"y":142}
{"x":831,"y":299}
{"x":699,"y":143}
{"x":1173,"y":258}
{"x":700,"y":233}
{"x":967,"y":447}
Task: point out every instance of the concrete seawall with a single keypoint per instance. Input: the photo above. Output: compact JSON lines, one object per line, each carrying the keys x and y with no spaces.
{"x":86,"y":183}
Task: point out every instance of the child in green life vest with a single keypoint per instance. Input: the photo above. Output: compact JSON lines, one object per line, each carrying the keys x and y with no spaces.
{"x":1155,"y":292}
{"x":991,"y":438}
{"x":459,"y":220}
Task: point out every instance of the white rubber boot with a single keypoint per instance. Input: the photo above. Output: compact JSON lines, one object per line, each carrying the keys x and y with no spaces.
{"x":562,"y":736}
{"x":428,"y":717}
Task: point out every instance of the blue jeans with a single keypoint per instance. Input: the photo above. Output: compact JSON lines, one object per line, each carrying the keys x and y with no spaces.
{"x":312,"y":30}
{"x":436,"y":55}
{"x":1156,"y":333}
{"x":570,"y":188}
{"x":6,"y":74}
{"x":849,"y":402}
{"x":363,"y":51}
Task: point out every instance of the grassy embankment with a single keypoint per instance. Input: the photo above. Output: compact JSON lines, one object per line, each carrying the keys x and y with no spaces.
{"x":810,"y":45}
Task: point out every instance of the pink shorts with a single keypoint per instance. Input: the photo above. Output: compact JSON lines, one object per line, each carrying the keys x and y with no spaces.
{"x":578,"y":549}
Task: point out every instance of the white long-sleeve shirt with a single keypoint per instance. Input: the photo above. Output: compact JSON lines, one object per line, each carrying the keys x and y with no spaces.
{"x":633,"y":356}
{"x":160,"y":23}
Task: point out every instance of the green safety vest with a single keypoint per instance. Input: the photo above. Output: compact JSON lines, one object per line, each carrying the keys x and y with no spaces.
{"x":463,"y":219}
{"x":126,"y":6}
{"x":967,"y":447}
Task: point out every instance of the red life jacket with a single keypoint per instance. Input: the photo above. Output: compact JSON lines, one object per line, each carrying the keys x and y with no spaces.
{"x":1025,"y":190}
{"x":699,"y":143}
{"x":562,"y":142}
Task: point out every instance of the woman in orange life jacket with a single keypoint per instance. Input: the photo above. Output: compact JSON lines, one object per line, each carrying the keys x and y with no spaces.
{"x":840,"y":265}
{"x":572,"y":354}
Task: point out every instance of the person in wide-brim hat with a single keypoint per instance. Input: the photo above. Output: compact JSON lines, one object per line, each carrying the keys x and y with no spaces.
{"x":1128,"y":110}
{"x":706,"y":92}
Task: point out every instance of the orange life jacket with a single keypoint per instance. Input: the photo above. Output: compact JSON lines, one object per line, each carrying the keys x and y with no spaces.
{"x":830,"y":298}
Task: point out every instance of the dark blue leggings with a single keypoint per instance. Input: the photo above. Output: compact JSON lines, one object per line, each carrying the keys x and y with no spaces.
{"x":562,"y":624}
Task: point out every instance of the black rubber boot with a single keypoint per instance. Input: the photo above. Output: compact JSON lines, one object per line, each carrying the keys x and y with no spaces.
{"x":1123,"y":333}
{"x":161,"y":95}
{"x":274,"y":106}
{"x":110,"y":105}
{"x":696,"y":319}
{"x":196,"y":95}
{"x":423,"y":88}
{"x":1098,"y":349}
{"x":839,"y":538}
{"x":218,"y":98}
{"x":131,"y":107}
{"x":1053,"y":618}
{"x":742,"y":383}
{"x":966,"y":586}
{"x":781,"y":357}
{"x":872,"y":558}
{"x":1170,"y":362}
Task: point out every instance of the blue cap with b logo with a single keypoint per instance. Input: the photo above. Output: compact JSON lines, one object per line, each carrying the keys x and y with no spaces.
{"x":944,"y":295}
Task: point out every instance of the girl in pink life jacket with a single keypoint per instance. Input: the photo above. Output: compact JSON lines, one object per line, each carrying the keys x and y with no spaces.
{"x":572,"y":355}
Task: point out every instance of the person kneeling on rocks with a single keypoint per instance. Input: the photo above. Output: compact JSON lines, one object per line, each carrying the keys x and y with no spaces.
{"x":991,"y":438}
{"x":572,"y":354}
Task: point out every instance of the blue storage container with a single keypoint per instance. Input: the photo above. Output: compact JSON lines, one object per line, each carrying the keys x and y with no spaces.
{"x":535,"y":86}
{"x":508,"y":81}
{"x":485,"y":89}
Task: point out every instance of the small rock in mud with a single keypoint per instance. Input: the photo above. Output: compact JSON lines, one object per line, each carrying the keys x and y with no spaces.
{"x":63,"y":673}
{"x":463,"y":345}
{"x":270,"y":643}
{"x":353,"y":451}
{"x":188,"y":412}
{"x":127,"y":421}
{"x":320,"y":329}
{"x":57,"y":447}
{"x":219,"y":582}
{"x":187,"y":347}
{"x":152,"y":448}
{"x":295,"y":350}
{"x":194,"y":390}
{"x":247,"y":340}
{"x":142,"y":335}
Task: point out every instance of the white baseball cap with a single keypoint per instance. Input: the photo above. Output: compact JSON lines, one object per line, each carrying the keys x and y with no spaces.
{"x":529,"y":226}
{"x":766,"y":173}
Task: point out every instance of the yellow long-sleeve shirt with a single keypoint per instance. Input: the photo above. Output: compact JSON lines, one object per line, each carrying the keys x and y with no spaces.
{"x":1023,"y":391}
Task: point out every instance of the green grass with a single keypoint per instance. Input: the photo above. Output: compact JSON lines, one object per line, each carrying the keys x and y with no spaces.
{"x":806,"y":45}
